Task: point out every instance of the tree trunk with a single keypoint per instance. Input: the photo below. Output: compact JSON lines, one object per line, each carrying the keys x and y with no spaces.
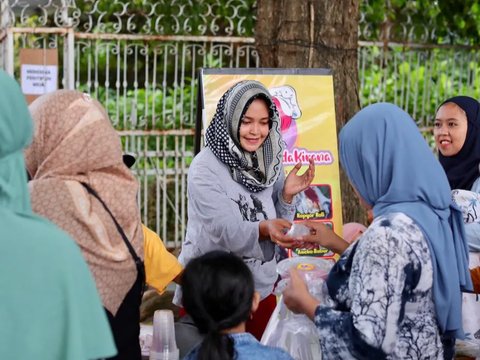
{"x":316,"y":34}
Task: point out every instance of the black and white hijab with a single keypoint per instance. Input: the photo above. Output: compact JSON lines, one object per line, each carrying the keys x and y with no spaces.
{"x":255,"y":170}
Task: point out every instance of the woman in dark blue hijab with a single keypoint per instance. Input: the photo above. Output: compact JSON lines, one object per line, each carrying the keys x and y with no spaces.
{"x":397,"y":289}
{"x":457,"y":136}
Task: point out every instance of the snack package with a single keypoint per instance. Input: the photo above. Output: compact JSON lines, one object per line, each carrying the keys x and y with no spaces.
{"x":298,"y":230}
{"x":305,"y":248}
{"x":296,"y":333}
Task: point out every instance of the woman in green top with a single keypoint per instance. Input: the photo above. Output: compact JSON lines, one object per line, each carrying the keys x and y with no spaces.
{"x":49,"y":305}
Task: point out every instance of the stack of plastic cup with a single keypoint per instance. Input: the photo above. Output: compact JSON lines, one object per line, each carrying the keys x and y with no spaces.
{"x":164,"y":346}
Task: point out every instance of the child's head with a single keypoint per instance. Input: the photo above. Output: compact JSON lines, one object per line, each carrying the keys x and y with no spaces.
{"x":219,"y":294}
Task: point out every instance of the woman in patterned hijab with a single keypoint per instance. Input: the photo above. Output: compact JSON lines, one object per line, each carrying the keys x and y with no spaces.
{"x":258,"y":169}
{"x":239,"y":198}
{"x":79,"y":182}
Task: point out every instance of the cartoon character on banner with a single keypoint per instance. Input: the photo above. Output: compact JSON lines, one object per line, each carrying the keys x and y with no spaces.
{"x":285,"y":98}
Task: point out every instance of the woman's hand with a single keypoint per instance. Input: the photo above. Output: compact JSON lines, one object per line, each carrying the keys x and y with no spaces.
{"x":297,"y":297}
{"x":324,"y":236}
{"x":296,"y":183}
{"x":274,"y":230}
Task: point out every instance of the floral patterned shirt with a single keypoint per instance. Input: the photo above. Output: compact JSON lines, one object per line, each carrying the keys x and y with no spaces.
{"x":382,"y":291}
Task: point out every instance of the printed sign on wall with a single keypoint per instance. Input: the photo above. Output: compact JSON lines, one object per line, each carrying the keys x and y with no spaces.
{"x":39,"y":72}
{"x":305,"y":102}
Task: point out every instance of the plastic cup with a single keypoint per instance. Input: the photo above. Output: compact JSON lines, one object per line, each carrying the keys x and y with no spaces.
{"x":164,"y":346}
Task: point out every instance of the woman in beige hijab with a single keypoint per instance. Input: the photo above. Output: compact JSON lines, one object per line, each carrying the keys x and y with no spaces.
{"x":80,"y":183}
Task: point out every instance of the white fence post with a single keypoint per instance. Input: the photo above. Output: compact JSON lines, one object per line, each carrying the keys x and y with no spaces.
{"x":9,"y":53}
{"x":68,"y":48}
{"x":69,"y":60}
{"x":8,"y":42}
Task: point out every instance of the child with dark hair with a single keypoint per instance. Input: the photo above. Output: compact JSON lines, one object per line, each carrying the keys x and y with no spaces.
{"x":219,"y":294}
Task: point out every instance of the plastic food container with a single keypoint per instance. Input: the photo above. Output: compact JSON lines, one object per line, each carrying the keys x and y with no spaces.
{"x":313,"y":270}
{"x":309,"y":267}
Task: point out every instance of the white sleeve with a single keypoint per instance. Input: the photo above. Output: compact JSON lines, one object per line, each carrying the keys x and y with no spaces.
{"x":215,"y":218}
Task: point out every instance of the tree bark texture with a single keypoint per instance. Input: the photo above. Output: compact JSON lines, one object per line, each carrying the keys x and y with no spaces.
{"x":316,"y":34}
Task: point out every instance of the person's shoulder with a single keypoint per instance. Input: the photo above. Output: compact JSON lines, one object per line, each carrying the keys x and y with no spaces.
{"x":206,"y":165}
{"x":204,"y":160}
{"x":397,"y":227}
{"x":38,"y":232}
{"x":204,"y":156}
{"x":273,"y":353}
{"x":41,"y":241}
{"x":276,"y":353}
{"x":392,"y":221}
{"x":250,"y":348}
{"x":149,"y":235}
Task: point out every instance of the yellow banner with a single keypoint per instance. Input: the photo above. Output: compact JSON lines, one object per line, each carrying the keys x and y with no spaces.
{"x":305,"y":102}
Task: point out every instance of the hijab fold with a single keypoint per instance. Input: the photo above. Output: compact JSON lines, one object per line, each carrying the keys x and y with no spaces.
{"x":260,"y":169}
{"x":389,"y":163}
{"x":463,"y":168}
{"x":75,"y":143}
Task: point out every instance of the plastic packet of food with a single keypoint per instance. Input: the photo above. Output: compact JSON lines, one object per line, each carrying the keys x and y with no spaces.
{"x":310,"y":268}
{"x":297,"y":230}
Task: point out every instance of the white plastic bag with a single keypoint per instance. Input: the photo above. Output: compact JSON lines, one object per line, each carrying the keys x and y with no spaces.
{"x":296,"y":333}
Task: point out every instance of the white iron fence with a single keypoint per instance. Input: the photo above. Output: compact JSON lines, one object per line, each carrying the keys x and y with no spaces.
{"x":140,"y":59}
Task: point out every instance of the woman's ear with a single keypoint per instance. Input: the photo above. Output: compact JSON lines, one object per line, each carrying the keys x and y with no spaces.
{"x":255,"y":301}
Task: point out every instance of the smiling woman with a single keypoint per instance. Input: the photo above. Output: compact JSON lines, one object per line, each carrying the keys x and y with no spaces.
{"x":239,"y":198}
{"x":457,"y":136}
{"x":395,"y":290}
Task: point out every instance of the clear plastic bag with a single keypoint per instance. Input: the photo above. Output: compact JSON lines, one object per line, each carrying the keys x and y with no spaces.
{"x":297,"y":230}
{"x":296,"y":333}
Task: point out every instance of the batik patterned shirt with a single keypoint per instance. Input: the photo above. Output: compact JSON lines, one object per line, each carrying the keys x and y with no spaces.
{"x":382,"y":290}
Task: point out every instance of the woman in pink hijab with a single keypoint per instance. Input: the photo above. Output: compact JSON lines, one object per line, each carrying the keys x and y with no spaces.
{"x":79,"y":182}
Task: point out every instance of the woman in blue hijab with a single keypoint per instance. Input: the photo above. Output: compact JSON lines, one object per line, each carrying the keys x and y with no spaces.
{"x":397,"y":289}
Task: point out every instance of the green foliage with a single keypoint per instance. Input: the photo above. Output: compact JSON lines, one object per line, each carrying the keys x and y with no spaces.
{"x":419,"y":80}
{"x":440,"y":22}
